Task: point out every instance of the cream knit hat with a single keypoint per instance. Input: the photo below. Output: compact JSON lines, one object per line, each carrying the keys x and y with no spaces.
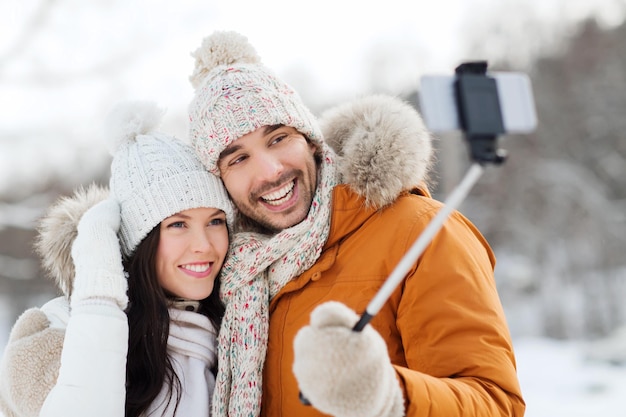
{"x":153,"y":175}
{"x":235,"y":95}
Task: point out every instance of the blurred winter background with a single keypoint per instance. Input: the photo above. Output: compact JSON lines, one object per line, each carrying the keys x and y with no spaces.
{"x":554,"y":212}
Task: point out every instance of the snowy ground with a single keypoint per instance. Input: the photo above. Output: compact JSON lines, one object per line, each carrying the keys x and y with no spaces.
{"x":559,"y":380}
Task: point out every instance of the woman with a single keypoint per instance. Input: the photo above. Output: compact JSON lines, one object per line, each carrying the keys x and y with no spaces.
{"x":140,"y":314}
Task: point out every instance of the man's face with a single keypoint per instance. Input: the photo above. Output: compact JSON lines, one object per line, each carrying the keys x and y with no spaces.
{"x":271,"y":176}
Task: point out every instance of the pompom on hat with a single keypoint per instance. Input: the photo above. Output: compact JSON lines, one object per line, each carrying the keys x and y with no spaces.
{"x":153,"y":175}
{"x":235,"y":95}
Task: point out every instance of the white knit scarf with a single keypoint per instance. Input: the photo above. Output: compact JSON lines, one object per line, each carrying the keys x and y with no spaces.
{"x":258,"y":266}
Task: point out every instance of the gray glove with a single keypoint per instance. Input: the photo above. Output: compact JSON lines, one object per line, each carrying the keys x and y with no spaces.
{"x":97,"y":256}
{"x":342,"y":372}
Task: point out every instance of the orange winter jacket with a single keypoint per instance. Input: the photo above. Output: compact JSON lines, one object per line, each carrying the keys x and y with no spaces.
{"x":444,"y":325}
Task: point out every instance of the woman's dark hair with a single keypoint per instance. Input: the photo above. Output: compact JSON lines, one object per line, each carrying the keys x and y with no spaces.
{"x":148,"y":366}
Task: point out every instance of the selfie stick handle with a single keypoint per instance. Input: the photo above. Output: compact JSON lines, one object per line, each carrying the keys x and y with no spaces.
{"x":408,"y":260}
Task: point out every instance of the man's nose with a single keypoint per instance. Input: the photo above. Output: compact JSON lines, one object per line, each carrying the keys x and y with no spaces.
{"x":268,"y":167}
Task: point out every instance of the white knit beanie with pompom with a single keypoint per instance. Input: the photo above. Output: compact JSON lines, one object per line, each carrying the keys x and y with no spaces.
{"x":235,"y":94}
{"x":153,"y":175}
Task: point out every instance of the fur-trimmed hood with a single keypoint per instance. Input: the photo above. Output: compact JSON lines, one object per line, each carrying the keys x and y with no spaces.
{"x":382,"y":144}
{"x":383,"y":149}
{"x":58,"y":229}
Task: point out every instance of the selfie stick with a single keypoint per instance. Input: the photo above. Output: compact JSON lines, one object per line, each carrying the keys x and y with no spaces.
{"x":481,"y":120}
{"x":407,"y":261}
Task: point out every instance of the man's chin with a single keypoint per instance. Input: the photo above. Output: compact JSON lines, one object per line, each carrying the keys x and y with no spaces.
{"x":274,"y":222}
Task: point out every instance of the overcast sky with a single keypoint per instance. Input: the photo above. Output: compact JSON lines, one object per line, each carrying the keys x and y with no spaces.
{"x":330,"y":39}
{"x":64,"y":63}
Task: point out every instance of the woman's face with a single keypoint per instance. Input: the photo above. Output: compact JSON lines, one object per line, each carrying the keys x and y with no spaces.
{"x":191,"y":251}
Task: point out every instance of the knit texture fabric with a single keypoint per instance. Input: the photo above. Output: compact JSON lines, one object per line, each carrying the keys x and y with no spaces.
{"x":192,"y":347}
{"x":235,"y":95}
{"x":100,"y":276}
{"x":154,"y":176}
{"x":257,"y":268}
{"x":344,"y":373}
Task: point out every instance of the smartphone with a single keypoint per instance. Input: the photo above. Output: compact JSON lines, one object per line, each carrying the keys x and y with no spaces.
{"x":440,"y":110}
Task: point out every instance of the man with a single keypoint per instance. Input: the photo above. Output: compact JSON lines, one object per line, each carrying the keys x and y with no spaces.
{"x":319,"y":231}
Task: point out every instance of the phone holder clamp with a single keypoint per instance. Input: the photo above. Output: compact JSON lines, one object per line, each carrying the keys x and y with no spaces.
{"x":480,"y":114}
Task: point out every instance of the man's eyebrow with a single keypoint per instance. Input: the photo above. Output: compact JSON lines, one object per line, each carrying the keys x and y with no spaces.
{"x":229,"y":150}
{"x":234,"y":147}
{"x":270,"y":129}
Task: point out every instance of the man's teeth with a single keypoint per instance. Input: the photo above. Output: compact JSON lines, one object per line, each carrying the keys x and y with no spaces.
{"x":197,"y":268}
{"x":278,"y":197}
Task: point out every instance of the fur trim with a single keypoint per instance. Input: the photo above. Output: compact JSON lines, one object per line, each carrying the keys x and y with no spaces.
{"x":383,"y":146}
{"x":57,"y":231}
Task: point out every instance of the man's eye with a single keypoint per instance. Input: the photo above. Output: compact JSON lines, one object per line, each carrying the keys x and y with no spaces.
{"x":236,"y":160}
{"x":278,"y":139}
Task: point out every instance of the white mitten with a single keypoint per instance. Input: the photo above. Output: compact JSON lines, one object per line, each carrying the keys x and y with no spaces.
{"x":97,"y":256}
{"x":342,"y":372}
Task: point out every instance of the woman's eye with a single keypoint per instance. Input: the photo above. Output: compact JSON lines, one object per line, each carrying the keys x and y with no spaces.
{"x":177,"y":224}
{"x":217,"y":222}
